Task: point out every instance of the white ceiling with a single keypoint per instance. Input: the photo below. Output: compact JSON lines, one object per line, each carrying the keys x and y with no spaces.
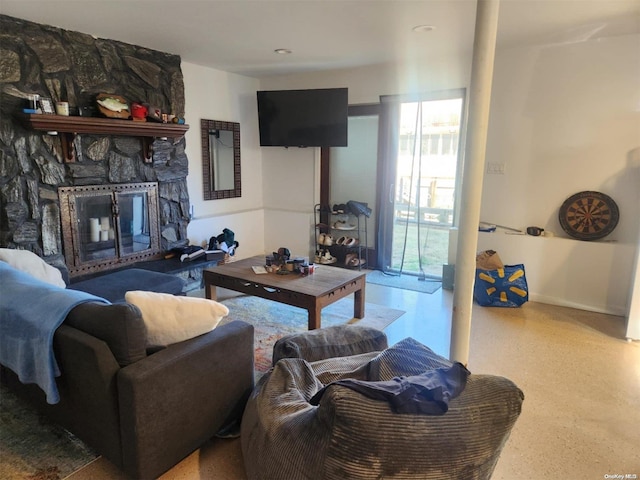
{"x":240,"y":35}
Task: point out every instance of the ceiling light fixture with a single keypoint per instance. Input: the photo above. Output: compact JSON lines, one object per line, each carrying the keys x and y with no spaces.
{"x":282,"y":51}
{"x":423,"y":28}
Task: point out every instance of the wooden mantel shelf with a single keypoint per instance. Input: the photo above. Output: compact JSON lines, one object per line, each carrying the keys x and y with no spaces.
{"x":105,"y":126}
{"x":69,"y":126}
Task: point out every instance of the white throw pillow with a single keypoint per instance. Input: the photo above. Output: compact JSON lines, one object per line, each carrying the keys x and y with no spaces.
{"x":30,"y":263}
{"x":171,"y":319}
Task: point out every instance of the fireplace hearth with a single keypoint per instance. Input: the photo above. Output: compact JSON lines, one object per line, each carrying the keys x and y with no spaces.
{"x":105,"y":226}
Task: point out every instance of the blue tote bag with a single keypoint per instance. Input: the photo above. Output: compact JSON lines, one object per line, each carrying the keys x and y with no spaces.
{"x":503,"y":287}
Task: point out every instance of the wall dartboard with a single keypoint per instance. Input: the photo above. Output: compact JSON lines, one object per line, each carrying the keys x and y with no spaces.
{"x":589,"y":215}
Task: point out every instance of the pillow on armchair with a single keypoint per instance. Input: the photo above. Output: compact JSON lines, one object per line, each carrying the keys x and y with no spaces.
{"x":171,"y":319}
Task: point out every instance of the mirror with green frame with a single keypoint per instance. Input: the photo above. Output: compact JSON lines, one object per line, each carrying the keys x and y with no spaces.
{"x":220,"y":159}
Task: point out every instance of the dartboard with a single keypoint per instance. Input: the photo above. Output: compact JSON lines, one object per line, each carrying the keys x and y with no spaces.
{"x":589,"y":215}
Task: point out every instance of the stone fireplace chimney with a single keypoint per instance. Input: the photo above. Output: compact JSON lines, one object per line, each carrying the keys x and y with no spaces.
{"x":74,"y":67}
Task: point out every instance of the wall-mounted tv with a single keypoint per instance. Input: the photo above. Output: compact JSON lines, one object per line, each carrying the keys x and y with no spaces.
{"x":303,"y":118}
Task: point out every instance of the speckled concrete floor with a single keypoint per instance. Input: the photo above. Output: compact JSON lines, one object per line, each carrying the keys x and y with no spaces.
{"x":581,"y":380}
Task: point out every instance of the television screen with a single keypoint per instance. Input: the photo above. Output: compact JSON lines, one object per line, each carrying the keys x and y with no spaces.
{"x":303,"y":118}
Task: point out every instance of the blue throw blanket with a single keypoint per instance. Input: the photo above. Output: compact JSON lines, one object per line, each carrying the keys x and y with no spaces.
{"x":428,"y":393}
{"x":30,"y":312}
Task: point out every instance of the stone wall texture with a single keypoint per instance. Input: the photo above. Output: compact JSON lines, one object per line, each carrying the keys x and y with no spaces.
{"x":75,"y":67}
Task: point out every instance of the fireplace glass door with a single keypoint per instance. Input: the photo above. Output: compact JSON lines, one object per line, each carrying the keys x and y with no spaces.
{"x":134,"y":222}
{"x":107,"y":225}
{"x":96,"y":229}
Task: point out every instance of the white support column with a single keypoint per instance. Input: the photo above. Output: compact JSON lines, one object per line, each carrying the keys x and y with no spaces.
{"x":633,"y":315}
{"x":473,"y":174}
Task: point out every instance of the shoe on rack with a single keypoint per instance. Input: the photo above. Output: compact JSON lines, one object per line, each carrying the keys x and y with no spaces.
{"x":341,"y":240}
{"x":343,"y":225}
{"x":352,"y":260}
{"x":358,"y":262}
{"x":359,"y":208}
{"x":327,"y":258}
{"x":351,"y":242}
{"x":339,"y":208}
{"x":325,"y":239}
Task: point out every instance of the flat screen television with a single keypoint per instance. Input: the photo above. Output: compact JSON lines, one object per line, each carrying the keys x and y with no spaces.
{"x":303,"y":118}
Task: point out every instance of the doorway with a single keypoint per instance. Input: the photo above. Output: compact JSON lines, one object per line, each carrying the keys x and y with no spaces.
{"x":421,"y":158}
{"x":350,"y":173}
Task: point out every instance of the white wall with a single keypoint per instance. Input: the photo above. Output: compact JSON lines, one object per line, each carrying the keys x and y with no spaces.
{"x":586,"y":275}
{"x":217,"y":95}
{"x":633,"y":315}
{"x":301,"y":166}
{"x":366,"y":84}
{"x":353,"y":170}
{"x":291,"y":183}
{"x":564,"y":118}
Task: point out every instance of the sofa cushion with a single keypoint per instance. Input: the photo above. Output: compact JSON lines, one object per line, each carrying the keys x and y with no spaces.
{"x":170,"y":319}
{"x":113,"y":286}
{"x":32,"y":264}
{"x":120,"y":326}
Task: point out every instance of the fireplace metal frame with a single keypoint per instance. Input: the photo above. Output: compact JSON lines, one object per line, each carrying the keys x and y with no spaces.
{"x":71,"y":234}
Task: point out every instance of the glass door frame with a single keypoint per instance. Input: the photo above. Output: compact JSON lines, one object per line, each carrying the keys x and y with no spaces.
{"x":387,"y":168}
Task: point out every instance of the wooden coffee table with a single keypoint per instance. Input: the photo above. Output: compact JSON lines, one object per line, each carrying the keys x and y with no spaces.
{"x":312,"y":292}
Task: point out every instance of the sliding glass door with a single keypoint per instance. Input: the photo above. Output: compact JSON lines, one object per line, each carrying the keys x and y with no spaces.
{"x":421,"y":155}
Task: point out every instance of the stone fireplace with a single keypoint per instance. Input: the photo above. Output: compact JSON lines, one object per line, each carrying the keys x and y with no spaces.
{"x":71,"y":66}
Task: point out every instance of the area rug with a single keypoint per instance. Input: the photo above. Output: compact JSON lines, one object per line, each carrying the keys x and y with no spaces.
{"x":33,"y":448}
{"x":404,"y":281}
{"x":273,"y":320}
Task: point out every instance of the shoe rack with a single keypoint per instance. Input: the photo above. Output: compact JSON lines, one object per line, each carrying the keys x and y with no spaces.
{"x":341,"y":237}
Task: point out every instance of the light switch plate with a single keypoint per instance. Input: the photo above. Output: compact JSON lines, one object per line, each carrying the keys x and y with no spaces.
{"x":495,"y":168}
